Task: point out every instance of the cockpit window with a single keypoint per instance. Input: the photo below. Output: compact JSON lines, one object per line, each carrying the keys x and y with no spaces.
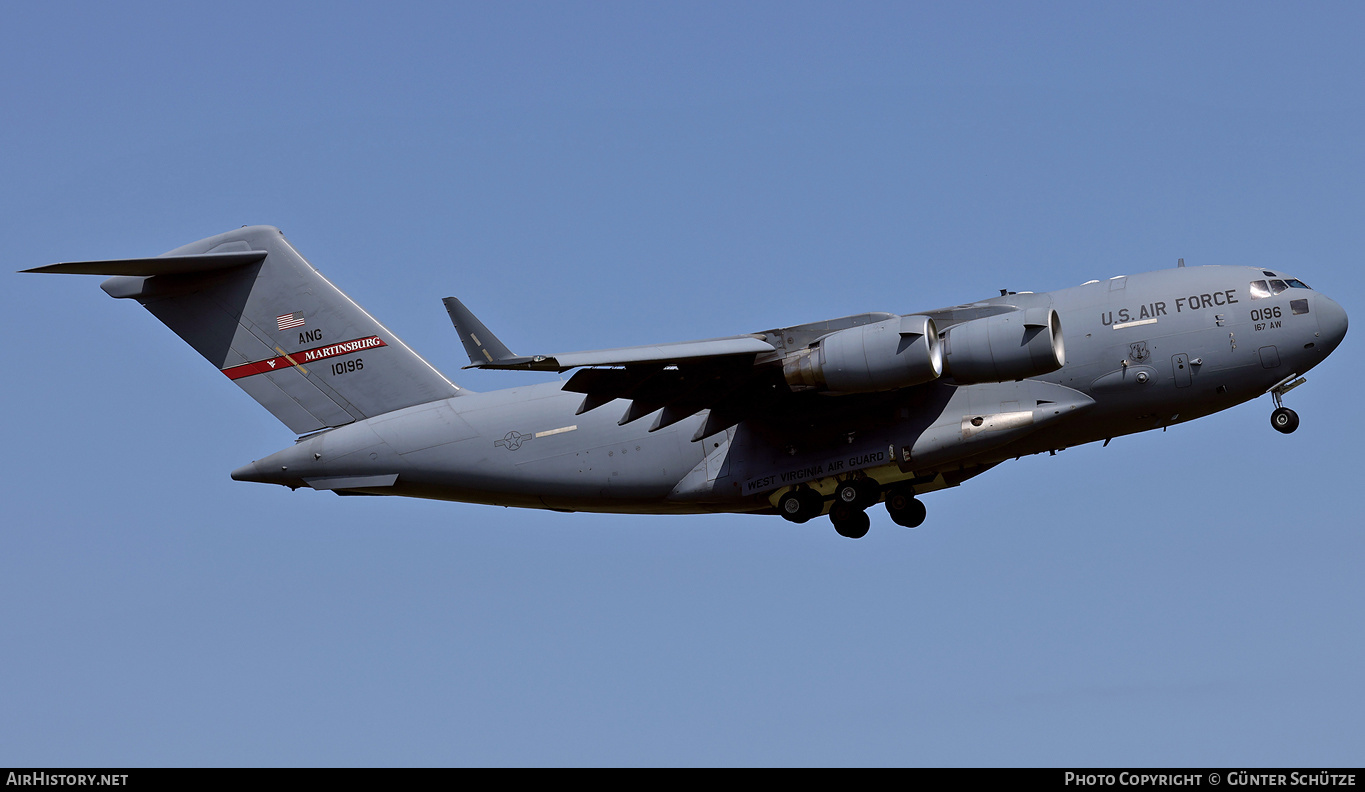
{"x":1261,"y":289}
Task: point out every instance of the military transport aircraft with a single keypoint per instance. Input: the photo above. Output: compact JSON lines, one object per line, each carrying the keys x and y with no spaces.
{"x":828,"y":417}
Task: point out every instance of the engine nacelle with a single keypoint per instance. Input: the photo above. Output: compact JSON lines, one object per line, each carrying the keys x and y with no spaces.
{"x":1011,"y":346}
{"x":891,"y":354}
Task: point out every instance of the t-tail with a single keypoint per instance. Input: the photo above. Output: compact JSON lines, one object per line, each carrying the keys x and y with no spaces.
{"x":259,"y":312}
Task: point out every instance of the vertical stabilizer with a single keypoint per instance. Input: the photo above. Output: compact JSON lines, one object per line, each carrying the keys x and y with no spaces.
{"x":258,"y":311}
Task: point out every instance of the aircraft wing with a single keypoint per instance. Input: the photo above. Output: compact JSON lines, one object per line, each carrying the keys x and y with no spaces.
{"x":680,"y":352}
{"x":770,"y":373}
{"x":486,"y":351}
{"x":675,"y":379}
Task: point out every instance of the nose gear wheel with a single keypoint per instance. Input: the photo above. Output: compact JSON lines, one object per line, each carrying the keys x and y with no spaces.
{"x":1284,"y":420}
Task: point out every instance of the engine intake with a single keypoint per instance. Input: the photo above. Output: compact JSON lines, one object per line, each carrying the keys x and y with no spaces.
{"x":886,"y":355}
{"x":1011,"y":346}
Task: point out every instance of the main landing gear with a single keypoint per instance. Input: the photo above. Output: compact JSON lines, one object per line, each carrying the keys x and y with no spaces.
{"x":800,"y":505}
{"x":904,"y":508}
{"x":849,"y":521}
{"x":1282,"y":418}
{"x":852,"y":498}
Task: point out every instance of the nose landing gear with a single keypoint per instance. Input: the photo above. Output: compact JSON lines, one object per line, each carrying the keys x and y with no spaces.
{"x":1284,"y":419}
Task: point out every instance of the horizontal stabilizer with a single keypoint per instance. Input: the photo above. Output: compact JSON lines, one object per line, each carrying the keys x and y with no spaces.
{"x":159,"y":265}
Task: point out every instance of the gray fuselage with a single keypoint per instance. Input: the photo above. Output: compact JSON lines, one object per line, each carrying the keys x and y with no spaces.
{"x":1141,"y":352}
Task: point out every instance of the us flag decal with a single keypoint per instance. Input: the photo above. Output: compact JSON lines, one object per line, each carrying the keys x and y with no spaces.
{"x":289,"y":320}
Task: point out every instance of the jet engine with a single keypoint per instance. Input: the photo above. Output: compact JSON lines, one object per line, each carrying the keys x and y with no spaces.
{"x":1010,"y":346}
{"x":894,"y":353}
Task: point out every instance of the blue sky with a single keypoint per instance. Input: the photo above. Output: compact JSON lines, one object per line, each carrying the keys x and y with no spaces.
{"x":599,"y":174}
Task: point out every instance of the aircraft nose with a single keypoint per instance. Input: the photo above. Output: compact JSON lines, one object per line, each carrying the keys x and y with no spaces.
{"x":1332,"y":322}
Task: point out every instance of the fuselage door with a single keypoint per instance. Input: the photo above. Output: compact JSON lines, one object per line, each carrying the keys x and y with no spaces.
{"x":1180,"y":364}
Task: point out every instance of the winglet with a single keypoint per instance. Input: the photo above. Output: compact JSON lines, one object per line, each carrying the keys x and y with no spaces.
{"x":483,"y":347}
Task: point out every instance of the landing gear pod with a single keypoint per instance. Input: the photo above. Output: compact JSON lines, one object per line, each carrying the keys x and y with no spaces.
{"x":1011,"y":346}
{"x":891,"y":354}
